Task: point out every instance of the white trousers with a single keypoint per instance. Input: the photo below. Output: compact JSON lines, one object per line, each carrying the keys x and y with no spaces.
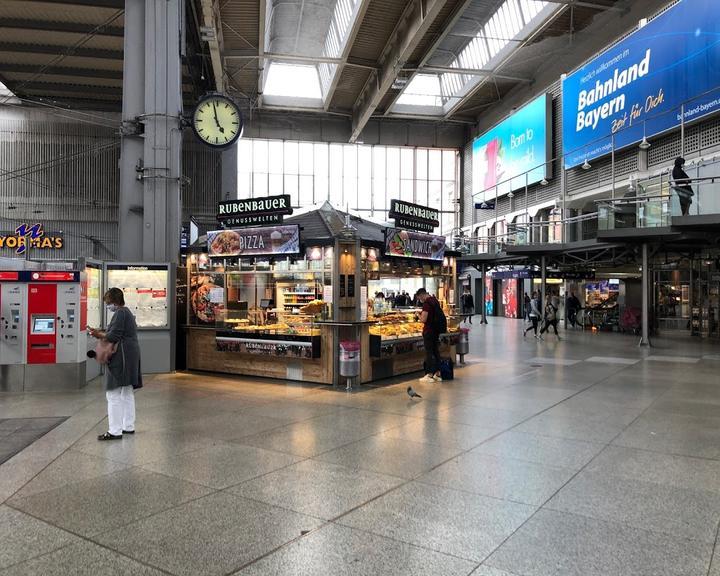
{"x":121,"y":410}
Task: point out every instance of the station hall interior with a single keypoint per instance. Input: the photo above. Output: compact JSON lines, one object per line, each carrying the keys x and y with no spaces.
{"x":360,"y":287}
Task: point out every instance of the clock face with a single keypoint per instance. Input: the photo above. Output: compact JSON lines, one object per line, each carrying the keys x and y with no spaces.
{"x":217,"y":121}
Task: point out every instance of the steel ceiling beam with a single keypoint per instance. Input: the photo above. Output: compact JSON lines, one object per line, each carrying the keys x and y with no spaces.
{"x":412,"y":27}
{"x":19,"y":47}
{"x":62,"y":71}
{"x":593,"y":5}
{"x":69,"y":27}
{"x":262,"y":16}
{"x":212,"y":21}
{"x":349,"y":42}
{"x":446,"y":29}
{"x":116,"y":4}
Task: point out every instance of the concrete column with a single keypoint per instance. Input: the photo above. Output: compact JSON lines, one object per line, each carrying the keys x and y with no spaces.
{"x":483,"y":309}
{"x":230,"y":172}
{"x":645,"y":321}
{"x":543,"y":279}
{"x":163,"y":138}
{"x":130,"y":216}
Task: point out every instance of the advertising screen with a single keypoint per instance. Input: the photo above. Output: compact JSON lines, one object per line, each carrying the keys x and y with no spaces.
{"x":411,"y":244}
{"x":519,"y":144}
{"x":637,"y":86}
{"x":509,"y":298}
{"x":254,"y":241}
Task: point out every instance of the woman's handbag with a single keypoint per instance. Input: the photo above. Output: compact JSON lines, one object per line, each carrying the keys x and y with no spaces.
{"x":104,"y":351}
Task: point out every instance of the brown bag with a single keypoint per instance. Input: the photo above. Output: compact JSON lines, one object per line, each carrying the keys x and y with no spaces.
{"x":104,"y":351}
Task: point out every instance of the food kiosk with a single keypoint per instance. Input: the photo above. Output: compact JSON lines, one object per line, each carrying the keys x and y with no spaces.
{"x":279,"y":300}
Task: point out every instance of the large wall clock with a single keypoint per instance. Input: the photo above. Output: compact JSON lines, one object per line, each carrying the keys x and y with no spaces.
{"x":217,"y":121}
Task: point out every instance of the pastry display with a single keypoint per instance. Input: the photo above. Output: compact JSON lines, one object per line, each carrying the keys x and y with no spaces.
{"x":313,"y":307}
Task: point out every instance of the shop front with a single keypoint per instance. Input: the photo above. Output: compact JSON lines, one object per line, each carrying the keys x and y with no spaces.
{"x":283,"y":300}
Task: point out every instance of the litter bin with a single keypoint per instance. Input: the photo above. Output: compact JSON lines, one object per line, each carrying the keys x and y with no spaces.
{"x":349,"y":358}
{"x":463,"y":345}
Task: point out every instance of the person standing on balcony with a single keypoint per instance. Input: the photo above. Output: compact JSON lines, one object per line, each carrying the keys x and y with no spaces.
{"x":681,"y":185}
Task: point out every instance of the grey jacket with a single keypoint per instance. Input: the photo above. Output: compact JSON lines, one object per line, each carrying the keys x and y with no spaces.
{"x":124,"y":367}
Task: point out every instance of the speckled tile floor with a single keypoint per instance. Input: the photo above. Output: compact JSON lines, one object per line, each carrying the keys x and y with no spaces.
{"x":583,"y":457}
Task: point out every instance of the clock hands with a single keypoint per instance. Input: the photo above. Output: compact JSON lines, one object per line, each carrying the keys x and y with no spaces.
{"x":222,"y":130}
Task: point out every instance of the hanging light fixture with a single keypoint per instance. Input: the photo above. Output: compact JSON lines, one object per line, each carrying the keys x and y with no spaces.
{"x":586,"y":165}
{"x":543,"y":182}
{"x":644,"y":145}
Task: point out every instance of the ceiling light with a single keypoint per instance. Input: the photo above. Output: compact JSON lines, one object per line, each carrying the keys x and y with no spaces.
{"x":644,"y":145}
{"x":586,"y":165}
{"x":543,"y":182}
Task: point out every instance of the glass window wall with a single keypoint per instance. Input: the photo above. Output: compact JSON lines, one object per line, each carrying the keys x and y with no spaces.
{"x":362,"y":178}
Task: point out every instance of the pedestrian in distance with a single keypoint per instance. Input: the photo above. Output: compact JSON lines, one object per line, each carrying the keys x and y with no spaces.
{"x":550,"y":317}
{"x":434,"y":324}
{"x":681,"y":184}
{"x":526,"y":307}
{"x":533,"y":315}
{"x":468,"y":304}
{"x":572,"y":306}
{"x":123,"y":375}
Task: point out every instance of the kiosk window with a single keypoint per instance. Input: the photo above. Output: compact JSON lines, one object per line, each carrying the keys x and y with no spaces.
{"x":44,"y":325}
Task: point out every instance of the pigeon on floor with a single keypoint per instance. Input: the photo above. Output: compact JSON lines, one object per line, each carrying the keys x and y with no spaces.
{"x":412,"y":393}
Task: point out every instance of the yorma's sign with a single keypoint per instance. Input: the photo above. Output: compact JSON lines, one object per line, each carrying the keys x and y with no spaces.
{"x":33,"y":236}
{"x":414,"y":216}
{"x":254,"y":211}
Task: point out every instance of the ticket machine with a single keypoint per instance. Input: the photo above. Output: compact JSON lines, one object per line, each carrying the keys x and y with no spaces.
{"x":42,"y":330}
{"x":13,"y":329}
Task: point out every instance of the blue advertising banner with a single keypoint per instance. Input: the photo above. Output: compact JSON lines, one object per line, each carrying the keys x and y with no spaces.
{"x":519,"y":144}
{"x":637,"y":87}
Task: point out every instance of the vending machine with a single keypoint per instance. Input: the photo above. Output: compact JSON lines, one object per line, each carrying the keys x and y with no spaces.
{"x":13,"y":329}
{"x":42,"y":330}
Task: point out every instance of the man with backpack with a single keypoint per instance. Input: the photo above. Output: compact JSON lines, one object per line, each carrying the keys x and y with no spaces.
{"x":434,"y":324}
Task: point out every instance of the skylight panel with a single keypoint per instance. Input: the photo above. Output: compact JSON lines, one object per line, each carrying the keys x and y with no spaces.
{"x":292,"y":80}
{"x":423,"y":90}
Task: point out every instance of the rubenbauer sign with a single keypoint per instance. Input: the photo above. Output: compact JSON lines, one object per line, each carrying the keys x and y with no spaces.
{"x":254,"y":211}
{"x":637,"y":87}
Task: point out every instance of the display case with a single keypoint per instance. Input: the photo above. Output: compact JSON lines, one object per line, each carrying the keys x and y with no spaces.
{"x":146,"y":288}
{"x":401,"y":333}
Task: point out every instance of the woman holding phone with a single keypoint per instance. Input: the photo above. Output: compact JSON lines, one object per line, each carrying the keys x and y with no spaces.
{"x":123,"y":373}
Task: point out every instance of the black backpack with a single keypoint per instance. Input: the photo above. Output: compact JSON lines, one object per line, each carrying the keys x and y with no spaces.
{"x":439,"y":321}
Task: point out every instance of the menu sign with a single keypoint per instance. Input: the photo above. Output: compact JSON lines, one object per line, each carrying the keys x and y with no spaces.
{"x":253,"y":211}
{"x":408,"y":244}
{"x":414,"y":216}
{"x":254,"y":241}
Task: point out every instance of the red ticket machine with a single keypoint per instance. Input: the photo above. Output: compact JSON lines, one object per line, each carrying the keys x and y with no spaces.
{"x":42,"y":327}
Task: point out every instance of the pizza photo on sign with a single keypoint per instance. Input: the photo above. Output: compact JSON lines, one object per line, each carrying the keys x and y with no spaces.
{"x":201,"y":301}
{"x":224,"y":243}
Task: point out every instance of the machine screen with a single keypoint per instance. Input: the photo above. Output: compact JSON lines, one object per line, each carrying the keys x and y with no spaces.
{"x":43,"y":325}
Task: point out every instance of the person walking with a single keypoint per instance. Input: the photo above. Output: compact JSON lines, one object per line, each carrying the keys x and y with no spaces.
{"x":468,"y":304}
{"x":681,"y":184}
{"x":573,"y":306}
{"x":533,"y":315}
{"x":432,"y":318}
{"x":123,"y":375}
{"x":550,"y":317}
{"x":526,"y":307}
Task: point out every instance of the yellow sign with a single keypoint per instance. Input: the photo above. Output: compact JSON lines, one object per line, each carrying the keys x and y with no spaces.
{"x":32,"y":236}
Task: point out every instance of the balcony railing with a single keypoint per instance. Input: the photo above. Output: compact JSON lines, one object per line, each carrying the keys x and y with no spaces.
{"x":656,"y":200}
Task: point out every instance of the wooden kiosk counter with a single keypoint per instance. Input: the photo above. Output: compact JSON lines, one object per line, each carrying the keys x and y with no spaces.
{"x":279,"y":301}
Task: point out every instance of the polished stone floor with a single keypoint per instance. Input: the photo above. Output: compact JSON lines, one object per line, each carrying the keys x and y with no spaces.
{"x":587,"y":456}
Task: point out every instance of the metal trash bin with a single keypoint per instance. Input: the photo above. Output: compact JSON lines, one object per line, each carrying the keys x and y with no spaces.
{"x":463,"y":345}
{"x":349,"y":358}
